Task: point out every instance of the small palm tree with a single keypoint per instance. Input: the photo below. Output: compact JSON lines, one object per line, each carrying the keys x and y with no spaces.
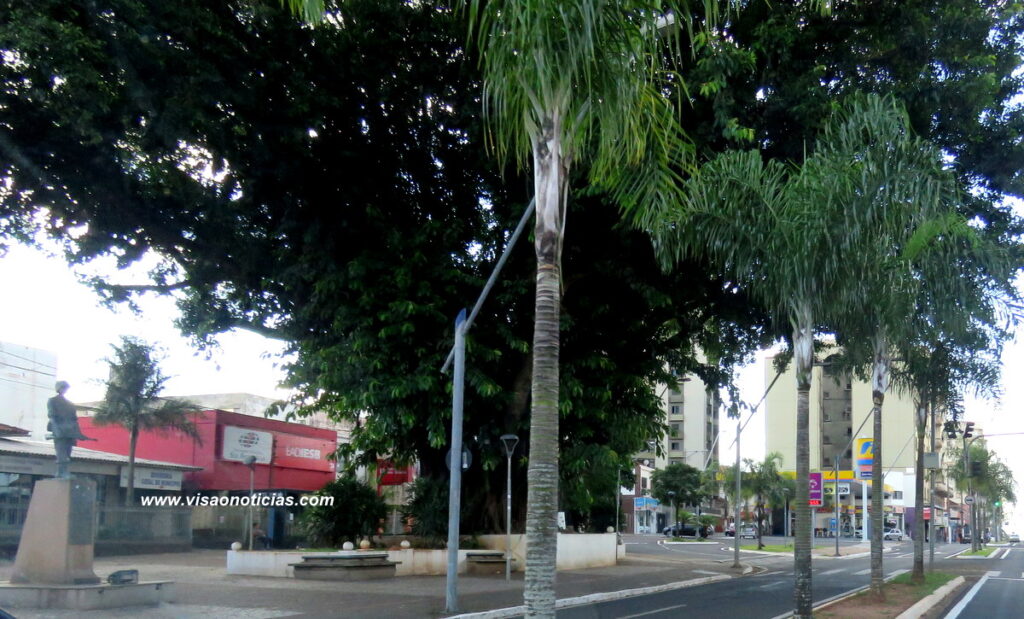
{"x":132,"y":400}
{"x":766,"y":484}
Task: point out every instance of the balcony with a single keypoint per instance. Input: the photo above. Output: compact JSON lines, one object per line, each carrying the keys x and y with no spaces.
{"x":942,"y":490}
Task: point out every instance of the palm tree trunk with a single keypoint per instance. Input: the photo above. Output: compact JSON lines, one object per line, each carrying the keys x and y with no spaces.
{"x":542,"y":476}
{"x":803,"y":356}
{"x":133,"y":435}
{"x":879,"y":382}
{"x":917,"y":574}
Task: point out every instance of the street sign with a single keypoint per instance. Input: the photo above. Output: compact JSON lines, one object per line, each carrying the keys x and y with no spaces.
{"x":814,"y":488}
{"x":927,"y":513}
{"x":467,"y":458}
{"x":969,"y":500}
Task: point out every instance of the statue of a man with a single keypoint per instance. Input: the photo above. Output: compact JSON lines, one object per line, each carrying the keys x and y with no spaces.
{"x":64,"y":426}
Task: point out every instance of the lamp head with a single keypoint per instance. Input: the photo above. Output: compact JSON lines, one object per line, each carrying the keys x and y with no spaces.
{"x":508,"y":443}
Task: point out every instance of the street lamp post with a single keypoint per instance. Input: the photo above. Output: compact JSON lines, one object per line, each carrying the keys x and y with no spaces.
{"x":251,"y":463}
{"x":509,"y":442}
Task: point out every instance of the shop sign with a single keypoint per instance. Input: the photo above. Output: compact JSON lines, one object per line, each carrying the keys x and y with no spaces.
{"x":303,"y":452}
{"x":241,"y":443}
{"x":390,"y":474}
{"x":153,"y":479}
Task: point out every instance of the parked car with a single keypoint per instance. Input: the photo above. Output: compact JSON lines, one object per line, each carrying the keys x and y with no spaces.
{"x":680,"y":529}
{"x":893,"y":533}
{"x":748,"y":530}
{"x":1013,"y":538}
{"x":730,"y":531}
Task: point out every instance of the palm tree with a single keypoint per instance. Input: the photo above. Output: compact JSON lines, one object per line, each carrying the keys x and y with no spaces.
{"x":772,"y":229}
{"x":765,"y":483}
{"x":132,"y":400}
{"x":898,"y":197}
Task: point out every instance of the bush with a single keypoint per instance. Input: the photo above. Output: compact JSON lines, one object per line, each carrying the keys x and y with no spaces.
{"x":427,"y":508}
{"x":357,"y":512}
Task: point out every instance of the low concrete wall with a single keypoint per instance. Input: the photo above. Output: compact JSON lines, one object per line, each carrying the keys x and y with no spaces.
{"x":575,"y":551}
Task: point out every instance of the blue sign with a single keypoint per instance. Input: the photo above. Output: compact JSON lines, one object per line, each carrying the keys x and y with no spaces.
{"x":641,"y":503}
{"x":832,"y":524}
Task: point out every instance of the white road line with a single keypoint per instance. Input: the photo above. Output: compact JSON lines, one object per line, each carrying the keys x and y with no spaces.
{"x":1006,"y":554}
{"x":862,"y":572}
{"x":652,"y":612}
{"x":772,"y":584}
{"x":959,"y":608}
{"x":706,"y":572}
{"x":831,"y":572}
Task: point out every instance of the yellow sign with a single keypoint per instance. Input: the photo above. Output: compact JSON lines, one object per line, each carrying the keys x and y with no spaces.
{"x":862,"y":450}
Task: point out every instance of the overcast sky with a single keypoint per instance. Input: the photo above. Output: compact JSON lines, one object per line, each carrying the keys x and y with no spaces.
{"x":47,"y":307}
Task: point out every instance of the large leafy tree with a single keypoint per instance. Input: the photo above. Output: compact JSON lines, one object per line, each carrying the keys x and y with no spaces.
{"x":678,"y":484}
{"x":349,"y":212}
{"x":132,"y":400}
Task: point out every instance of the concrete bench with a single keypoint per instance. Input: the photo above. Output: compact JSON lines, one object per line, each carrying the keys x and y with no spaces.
{"x":485,"y":563}
{"x":363,"y":566}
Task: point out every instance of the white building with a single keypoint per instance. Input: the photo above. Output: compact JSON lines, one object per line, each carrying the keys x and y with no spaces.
{"x":27,"y":378}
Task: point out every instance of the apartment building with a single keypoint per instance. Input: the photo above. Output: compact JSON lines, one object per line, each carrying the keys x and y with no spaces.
{"x":840,"y":411}
{"x":692,"y":416}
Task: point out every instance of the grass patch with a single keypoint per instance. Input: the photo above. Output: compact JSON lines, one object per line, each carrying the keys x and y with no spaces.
{"x":983,"y":552}
{"x":900,"y":595}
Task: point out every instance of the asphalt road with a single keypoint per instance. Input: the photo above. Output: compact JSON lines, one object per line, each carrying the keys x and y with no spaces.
{"x":768,"y":594}
{"x":999,"y":593}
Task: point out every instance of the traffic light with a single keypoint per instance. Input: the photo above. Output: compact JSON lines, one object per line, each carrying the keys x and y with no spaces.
{"x":976,"y":468}
{"x":950,"y":429}
{"x":969,"y":429}
{"x":997,"y":503}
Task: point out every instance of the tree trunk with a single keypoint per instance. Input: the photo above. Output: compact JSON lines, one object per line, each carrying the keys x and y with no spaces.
{"x":917,"y":574}
{"x":803,"y":356}
{"x":133,"y":438}
{"x":542,"y":477}
{"x":879,"y":383}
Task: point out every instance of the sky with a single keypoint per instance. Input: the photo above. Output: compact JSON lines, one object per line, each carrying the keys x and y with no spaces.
{"x":47,"y":307}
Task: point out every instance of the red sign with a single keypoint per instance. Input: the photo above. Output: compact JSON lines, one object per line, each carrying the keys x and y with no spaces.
{"x":391,"y":475}
{"x":814,"y":502}
{"x":301,"y":452}
{"x":927,"y":513}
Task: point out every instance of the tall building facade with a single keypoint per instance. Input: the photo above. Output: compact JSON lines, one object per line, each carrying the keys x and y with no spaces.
{"x":27,"y":377}
{"x":840,"y":412}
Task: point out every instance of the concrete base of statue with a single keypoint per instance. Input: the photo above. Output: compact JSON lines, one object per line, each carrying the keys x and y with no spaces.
{"x":56,"y":546}
{"x":54,"y":564}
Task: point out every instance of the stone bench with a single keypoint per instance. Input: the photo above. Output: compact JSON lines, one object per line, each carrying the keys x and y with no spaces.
{"x":362,"y":566}
{"x":485,"y":563}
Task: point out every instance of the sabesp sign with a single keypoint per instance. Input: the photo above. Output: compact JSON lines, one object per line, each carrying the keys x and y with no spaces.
{"x":303,"y":452}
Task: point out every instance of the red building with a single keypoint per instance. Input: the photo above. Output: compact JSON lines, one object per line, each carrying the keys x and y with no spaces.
{"x":288,"y":456}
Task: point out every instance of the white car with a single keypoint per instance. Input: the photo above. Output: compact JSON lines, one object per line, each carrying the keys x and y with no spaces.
{"x":1014,"y":538}
{"x":895,"y":534}
{"x":748,"y":531}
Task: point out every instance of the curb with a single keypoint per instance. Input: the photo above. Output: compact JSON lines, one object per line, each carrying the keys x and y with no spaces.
{"x":515,"y":611}
{"x":927,"y":603}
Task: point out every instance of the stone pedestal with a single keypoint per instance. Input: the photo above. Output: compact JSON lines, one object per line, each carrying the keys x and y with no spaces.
{"x":56,"y":545}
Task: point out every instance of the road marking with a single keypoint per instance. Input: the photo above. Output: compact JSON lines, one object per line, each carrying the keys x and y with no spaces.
{"x":1006,"y":554}
{"x":831,"y":572}
{"x":706,"y":572}
{"x":895,"y":573}
{"x":862,"y":572}
{"x":652,"y":612}
{"x":959,"y":608}
{"x":772,"y":584}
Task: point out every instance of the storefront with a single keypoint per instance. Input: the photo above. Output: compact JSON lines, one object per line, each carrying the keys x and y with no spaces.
{"x":236,"y":454}
{"x":23,"y":462}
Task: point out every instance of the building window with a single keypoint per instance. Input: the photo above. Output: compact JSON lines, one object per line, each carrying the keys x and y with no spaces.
{"x":675,"y":430}
{"x":827,"y":417}
{"x":897,"y":495}
{"x":827,"y":440}
{"x":675,"y":446}
{"x":675,"y":409}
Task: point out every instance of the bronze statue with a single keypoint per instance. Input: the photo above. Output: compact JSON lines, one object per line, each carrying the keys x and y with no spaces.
{"x":64,"y":426}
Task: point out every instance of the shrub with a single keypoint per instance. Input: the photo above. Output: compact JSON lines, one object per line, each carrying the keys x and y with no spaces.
{"x":357,"y":512}
{"x":427,"y":508}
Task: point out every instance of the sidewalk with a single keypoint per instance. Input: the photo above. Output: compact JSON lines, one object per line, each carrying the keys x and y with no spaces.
{"x":205,"y":590}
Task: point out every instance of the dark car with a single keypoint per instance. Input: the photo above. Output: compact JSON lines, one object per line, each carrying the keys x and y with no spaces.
{"x":680,"y":529}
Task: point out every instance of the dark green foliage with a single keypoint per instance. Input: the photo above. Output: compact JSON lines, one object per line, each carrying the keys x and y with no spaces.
{"x":347,"y":221}
{"x":427,"y":509}
{"x":357,"y":512}
{"x":682,"y":481}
